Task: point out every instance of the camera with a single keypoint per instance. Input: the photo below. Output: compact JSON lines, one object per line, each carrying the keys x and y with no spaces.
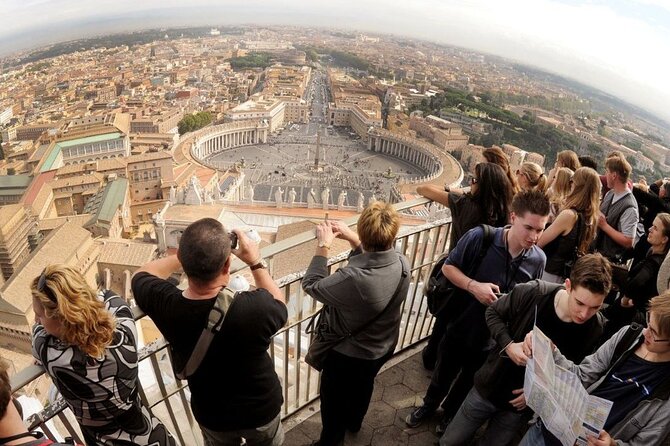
{"x":233,"y":240}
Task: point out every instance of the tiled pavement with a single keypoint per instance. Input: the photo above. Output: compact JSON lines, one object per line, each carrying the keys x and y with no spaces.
{"x":397,"y":389}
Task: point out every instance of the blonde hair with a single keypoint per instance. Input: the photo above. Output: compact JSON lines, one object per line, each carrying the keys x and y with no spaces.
{"x":561,"y":187}
{"x":378,"y":226}
{"x":535,"y":175}
{"x":660,"y":305}
{"x":569,"y":159}
{"x":585,"y":198}
{"x":85,"y":321}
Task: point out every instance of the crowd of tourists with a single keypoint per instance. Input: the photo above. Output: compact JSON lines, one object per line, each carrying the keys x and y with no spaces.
{"x":573,"y":251}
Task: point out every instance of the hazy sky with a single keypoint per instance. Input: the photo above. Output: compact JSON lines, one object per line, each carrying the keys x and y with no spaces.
{"x":619,"y":46}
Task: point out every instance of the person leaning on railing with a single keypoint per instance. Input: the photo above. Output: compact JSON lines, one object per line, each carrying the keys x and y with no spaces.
{"x":235,"y":391}
{"x":356,"y":294}
{"x":87,"y":343}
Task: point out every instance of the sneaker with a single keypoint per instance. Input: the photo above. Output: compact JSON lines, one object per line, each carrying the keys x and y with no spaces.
{"x":418,"y":416}
{"x":442,"y":426}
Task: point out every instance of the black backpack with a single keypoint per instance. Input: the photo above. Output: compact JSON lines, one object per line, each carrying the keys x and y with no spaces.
{"x":438,"y":289}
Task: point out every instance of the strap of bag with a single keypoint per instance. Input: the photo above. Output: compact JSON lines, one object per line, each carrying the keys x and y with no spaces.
{"x":486,"y":244}
{"x":312,"y":325}
{"x":214,"y":322}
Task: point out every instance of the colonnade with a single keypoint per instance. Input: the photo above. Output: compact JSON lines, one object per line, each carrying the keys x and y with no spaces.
{"x":406,"y":151}
{"x":214,"y":144}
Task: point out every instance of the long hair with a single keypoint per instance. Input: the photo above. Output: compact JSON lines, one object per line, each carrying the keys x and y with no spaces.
{"x":569,"y":159}
{"x":535,"y":175}
{"x":493,"y":193}
{"x":85,"y":321}
{"x":585,"y":198}
{"x":495,"y":155}
{"x":561,"y":187}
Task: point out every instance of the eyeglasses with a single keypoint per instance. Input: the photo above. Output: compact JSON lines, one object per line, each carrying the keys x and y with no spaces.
{"x":652,"y":331}
{"x":474,"y":180}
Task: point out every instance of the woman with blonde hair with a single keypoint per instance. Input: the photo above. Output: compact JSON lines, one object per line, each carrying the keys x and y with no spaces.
{"x":86,"y":342}
{"x":559,"y":190}
{"x":530,"y":176}
{"x":573,"y":230}
{"x":365,"y":297}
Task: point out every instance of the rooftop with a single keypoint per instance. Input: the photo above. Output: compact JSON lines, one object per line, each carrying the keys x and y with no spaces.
{"x":90,"y":139}
{"x":125,"y":252}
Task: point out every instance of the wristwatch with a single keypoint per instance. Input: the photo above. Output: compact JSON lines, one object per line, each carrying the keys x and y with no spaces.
{"x":323,"y":244}
{"x":261,"y":264}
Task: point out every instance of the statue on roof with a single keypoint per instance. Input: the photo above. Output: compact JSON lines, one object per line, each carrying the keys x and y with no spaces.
{"x":311,"y":198}
{"x":360,"y":202}
{"x":325,"y":196}
{"x":250,"y":194}
{"x":279,"y":197}
{"x":341,"y":198}
{"x":291,"y":197}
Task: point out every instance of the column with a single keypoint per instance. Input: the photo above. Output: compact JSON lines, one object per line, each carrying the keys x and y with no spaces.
{"x":108,"y":278}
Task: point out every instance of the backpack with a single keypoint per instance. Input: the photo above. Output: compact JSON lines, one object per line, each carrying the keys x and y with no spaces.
{"x":438,"y":289}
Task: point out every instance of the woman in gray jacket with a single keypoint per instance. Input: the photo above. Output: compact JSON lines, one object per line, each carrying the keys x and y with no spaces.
{"x":356,"y":295}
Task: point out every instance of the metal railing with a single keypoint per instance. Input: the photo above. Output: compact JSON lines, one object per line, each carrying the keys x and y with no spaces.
{"x":168,"y":398}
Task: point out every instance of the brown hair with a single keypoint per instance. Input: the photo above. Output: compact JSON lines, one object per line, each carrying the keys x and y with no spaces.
{"x":67,"y":297}
{"x":378,"y":226}
{"x":532,"y":201}
{"x":665,"y":229}
{"x":620,"y":166}
{"x":535,"y":175}
{"x":495,"y":155}
{"x":569,"y":159}
{"x":5,"y":389}
{"x":585,"y":199}
{"x":660,"y":305}
{"x":561,"y":187}
{"x":593,"y":272}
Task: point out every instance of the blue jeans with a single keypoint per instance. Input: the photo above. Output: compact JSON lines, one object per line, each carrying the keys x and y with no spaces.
{"x":534,"y":436}
{"x":474,"y":412}
{"x":271,"y":434}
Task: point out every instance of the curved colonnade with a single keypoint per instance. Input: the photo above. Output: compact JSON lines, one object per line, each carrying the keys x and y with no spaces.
{"x":219,"y":138}
{"x":409,"y":150}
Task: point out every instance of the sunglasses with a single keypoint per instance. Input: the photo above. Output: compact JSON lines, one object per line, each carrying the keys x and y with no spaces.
{"x":43,"y":288}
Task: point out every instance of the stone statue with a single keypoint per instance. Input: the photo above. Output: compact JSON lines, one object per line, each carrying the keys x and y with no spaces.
{"x":341,"y":198}
{"x":173,"y":195}
{"x":291,"y":197}
{"x":325,"y":195}
{"x":279,"y":197}
{"x":250,"y":194}
{"x":360,"y":202}
{"x":311,"y":199}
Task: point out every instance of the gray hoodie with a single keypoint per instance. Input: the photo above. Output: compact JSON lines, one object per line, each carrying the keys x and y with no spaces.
{"x":649,"y":423}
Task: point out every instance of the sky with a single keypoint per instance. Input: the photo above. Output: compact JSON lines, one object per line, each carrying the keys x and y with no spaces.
{"x":619,"y":46}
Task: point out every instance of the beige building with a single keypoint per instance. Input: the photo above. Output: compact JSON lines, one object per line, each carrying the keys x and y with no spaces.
{"x":151,"y":176}
{"x":119,"y":259}
{"x":16,"y":229}
{"x":71,"y":194}
{"x":156,"y":121}
{"x":258,"y":108}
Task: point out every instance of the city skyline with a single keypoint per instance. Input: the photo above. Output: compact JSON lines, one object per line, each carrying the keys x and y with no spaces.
{"x":583,"y":41}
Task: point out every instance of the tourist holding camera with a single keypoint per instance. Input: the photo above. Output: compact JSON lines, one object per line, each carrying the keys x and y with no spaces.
{"x":365,"y":296}
{"x":235,"y":391}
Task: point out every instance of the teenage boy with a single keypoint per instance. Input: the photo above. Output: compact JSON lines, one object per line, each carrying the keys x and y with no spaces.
{"x":568,"y":314}
{"x":633,"y":373}
{"x":512,"y":258}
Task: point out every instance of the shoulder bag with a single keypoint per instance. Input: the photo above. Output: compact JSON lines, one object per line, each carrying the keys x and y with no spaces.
{"x":214,"y":322}
{"x":329,"y":332}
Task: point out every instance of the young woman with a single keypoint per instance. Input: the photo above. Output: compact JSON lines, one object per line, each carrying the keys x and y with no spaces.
{"x":640,"y":285}
{"x":487,"y":202}
{"x":531,"y":177}
{"x":87,"y":345}
{"x":495,"y":155}
{"x":574,"y":228}
{"x":559,"y":190}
